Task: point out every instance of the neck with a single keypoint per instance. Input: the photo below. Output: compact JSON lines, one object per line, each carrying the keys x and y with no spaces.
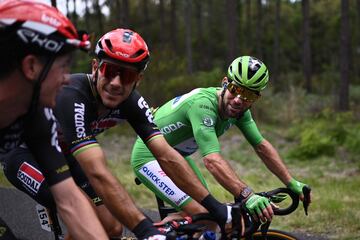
{"x":15,"y":98}
{"x":221,"y":104}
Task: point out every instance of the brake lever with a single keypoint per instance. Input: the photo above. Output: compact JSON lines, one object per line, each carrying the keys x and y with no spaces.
{"x":306,"y":191}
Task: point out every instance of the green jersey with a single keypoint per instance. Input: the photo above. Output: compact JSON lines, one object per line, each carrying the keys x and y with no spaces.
{"x":191,"y":122}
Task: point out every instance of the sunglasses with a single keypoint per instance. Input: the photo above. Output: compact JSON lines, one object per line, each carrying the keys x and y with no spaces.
{"x":243,"y":93}
{"x":111,"y":71}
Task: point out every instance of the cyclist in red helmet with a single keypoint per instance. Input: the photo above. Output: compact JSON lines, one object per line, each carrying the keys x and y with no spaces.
{"x":93,"y":103}
{"x":36,"y":41}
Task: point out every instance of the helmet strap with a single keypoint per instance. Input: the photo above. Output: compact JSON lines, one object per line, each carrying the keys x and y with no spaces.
{"x":37,"y":86}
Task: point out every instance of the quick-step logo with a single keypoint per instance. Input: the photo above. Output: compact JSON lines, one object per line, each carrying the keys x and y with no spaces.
{"x":30,"y":176}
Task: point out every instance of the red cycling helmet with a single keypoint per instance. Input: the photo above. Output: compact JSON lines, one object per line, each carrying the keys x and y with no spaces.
{"x":39,"y":26}
{"x":124,"y":47}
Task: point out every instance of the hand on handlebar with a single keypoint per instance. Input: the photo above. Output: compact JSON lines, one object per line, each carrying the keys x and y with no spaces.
{"x":297,"y":187}
{"x":259,"y":207}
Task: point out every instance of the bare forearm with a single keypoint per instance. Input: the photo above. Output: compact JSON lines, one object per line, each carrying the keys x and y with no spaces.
{"x":272,"y":160}
{"x":108,"y":187}
{"x":176,"y":167}
{"x":117,"y":200}
{"x":76,"y":212}
{"x":224,"y":174}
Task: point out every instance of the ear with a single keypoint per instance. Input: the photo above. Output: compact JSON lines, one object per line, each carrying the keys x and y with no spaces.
{"x":224,"y":82}
{"x":31,"y":67}
{"x":94,"y":65}
{"x":140,"y":78}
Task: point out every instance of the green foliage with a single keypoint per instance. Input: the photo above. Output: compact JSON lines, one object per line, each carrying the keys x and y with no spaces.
{"x":290,"y":105}
{"x":184,"y":83}
{"x":324,"y":134}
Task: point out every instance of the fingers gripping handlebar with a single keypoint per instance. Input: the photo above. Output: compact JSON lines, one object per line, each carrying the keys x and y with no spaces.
{"x":189,"y":226}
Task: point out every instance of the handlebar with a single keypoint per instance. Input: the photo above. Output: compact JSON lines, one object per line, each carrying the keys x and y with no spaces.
{"x":189,"y":226}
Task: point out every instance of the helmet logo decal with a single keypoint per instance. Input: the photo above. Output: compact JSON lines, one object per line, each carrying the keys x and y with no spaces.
{"x":29,"y":36}
{"x":254,"y":64}
{"x":50,"y":20}
{"x":127,"y":37}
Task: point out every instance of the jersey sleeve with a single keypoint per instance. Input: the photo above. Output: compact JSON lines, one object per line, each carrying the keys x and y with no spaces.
{"x":75,"y":113}
{"x":248,"y":127}
{"x":202,"y":116}
{"x":41,"y":138}
{"x":137,"y":112}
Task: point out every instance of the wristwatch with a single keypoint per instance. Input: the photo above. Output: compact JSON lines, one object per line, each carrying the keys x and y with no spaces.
{"x":245,"y":193}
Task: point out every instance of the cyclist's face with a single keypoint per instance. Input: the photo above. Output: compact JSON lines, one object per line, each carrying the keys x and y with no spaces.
{"x":114,"y":83}
{"x":57,"y":77}
{"x":234,"y":105}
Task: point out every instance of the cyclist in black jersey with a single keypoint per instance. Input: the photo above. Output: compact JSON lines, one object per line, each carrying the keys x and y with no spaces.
{"x":94,"y":102}
{"x":36,"y":41}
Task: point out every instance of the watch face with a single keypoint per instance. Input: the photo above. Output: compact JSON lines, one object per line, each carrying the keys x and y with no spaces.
{"x":246,"y":192}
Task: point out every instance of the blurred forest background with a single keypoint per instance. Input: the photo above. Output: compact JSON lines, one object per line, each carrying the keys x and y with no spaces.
{"x":310,"y":111}
{"x":312,"y":49}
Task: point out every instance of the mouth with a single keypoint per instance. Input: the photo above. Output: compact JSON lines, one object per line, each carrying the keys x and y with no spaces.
{"x":114,"y":93}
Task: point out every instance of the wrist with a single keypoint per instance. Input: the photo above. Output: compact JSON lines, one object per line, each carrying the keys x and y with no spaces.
{"x":244,"y":194}
{"x":145,"y":229}
{"x":215,"y":208}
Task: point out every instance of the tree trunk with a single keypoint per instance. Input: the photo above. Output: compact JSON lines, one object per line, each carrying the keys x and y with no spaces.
{"x":143,"y":7}
{"x":161,"y":17}
{"x":53,"y":3}
{"x":200,"y":32}
{"x":276,"y":48}
{"x":188,"y":30}
{"x":87,"y":16}
{"x":259,"y":30}
{"x":306,"y":45}
{"x":209,"y":43}
{"x":173,"y":26}
{"x":248,"y":28}
{"x":232,"y":26}
{"x":125,"y":13}
{"x":74,"y":14}
{"x":99,"y":17}
{"x":67,"y":9}
{"x":344,"y":57}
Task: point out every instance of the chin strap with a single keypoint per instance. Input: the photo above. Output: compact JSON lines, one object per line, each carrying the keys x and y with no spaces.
{"x":37,"y":87}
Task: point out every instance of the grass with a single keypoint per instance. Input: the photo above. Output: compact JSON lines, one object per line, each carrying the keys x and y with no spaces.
{"x":334,"y":213}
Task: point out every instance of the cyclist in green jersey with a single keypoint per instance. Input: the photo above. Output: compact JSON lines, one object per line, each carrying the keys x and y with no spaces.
{"x":196,"y":120}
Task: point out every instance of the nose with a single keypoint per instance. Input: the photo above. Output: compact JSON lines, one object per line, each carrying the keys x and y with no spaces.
{"x":116,"y":81}
{"x":66,"y":79}
{"x":238,"y":99}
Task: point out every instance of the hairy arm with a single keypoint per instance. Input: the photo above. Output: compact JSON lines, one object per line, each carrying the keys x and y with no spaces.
{"x":272,"y":160}
{"x":176,"y":167}
{"x":108,"y":187}
{"x":76,"y":211}
{"x":223,"y":173}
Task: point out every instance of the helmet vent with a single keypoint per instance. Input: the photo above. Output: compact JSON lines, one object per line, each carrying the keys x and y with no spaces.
{"x":240,"y":69}
{"x":261,"y":77}
{"x":138,"y":53}
{"x":251,"y":74}
{"x":108,"y":44}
